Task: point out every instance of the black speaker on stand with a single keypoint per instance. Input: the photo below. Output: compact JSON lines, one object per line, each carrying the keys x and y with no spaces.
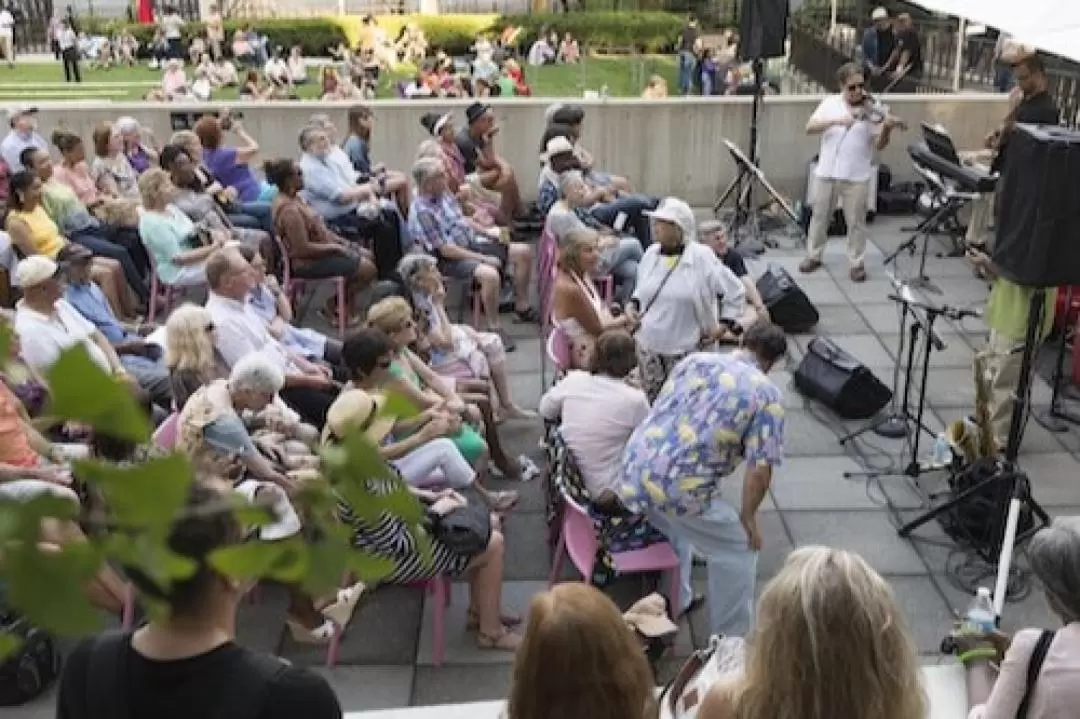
{"x":762,"y":35}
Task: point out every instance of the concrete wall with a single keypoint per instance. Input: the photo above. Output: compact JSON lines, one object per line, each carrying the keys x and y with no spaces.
{"x":665,"y":147}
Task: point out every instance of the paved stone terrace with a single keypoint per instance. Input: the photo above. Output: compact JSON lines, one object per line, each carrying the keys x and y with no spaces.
{"x":386,"y":658}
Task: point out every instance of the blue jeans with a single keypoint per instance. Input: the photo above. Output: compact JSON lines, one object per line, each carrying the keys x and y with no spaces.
{"x":718,"y":534}
{"x":634,"y":207}
{"x":103,"y":248}
{"x":261,"y":211}
{"x":687,"y":62}
{"x":622,"y":262}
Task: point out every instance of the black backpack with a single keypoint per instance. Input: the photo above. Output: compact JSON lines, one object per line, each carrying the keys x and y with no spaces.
{"x":33,"y":667}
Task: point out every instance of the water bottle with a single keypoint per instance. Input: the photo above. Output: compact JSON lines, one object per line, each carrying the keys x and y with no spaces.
{"x":980,"y":617}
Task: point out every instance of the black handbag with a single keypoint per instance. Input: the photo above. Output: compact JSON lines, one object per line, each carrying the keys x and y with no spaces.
{"x":789,"y":307}
{"x":839,"y":381}
{"x":464,"y":530}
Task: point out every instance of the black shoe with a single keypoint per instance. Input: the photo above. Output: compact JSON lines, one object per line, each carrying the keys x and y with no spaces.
{"x":695,"y":604}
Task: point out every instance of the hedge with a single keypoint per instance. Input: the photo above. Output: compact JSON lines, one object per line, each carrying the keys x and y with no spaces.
{"x":315,"y":35}
{"x":615,"y":31}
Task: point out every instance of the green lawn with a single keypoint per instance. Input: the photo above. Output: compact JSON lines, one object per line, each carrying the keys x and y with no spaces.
{"x":623,"y":76}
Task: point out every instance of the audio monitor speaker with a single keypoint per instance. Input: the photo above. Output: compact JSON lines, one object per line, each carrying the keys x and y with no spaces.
{"x":1038,"y":196}
{"x":762,"y":29}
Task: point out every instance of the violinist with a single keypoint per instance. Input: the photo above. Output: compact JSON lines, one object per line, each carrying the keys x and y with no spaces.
{"x":852,"y":129}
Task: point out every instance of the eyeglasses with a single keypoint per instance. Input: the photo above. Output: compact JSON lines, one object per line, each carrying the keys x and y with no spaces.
{"x":856,"y":86}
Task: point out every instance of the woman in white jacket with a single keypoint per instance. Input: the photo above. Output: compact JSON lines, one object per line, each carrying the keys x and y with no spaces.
{"x":685,"y":299}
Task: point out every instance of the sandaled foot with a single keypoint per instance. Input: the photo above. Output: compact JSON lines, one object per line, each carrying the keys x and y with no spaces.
{"x":507,"y":641}
{"x":341,"y":610}
{"x":503,"y":502}
{"x":506,"y":617}
{"x":809,"y":265}
{"x":858,"y":274}
{"x":321,"y":634}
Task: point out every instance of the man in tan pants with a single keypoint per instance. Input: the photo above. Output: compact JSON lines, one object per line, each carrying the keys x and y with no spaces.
{"x":1006,"y":315}
{"x":849,"y":138}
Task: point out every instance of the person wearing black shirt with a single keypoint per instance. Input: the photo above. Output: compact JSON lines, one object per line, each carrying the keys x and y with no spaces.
{"x":878,"y":44}
{"x":189,"y":664}
{"x":908,"y":50}
{"x":476,"y":141}
{"x":1035,"y":107}
{"x":712,"y":234}
{"x":689,"y":46}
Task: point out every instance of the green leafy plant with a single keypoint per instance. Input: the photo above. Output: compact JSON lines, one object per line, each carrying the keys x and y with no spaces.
{"x":45,"y":584}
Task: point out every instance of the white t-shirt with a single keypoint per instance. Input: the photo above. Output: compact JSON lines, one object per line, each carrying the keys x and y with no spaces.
{"x":172,"y":24}
{"x":598,"y":415}
{"x":846,"y":153}
{"x":7,"y":23}
{"x":276,"y":68}
{"x":43,"y":337}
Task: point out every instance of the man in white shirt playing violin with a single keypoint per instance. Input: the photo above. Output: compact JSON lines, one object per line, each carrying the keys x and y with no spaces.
{"x":850,"y":135}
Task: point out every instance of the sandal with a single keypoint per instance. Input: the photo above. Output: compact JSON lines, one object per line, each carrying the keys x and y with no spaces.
{"x":527,"y":315}
{"x":508,"y":619}
{"x":341,"y":610}
{"x":321,"y":634}
{"x":503,"y":502}
{"x":507,"y":641}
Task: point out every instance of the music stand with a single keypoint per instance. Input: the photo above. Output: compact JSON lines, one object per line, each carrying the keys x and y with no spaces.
{"x":746,"y":215}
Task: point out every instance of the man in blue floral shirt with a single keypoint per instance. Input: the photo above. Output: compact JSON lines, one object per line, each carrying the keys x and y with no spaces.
{"x":715,"y":412}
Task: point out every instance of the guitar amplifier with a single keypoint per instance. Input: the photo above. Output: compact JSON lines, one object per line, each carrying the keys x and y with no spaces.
{"x":789,"y":307}
{"x":839,"y":381}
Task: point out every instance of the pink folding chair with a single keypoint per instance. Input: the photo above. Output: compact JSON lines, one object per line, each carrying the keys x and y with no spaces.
{"x":168,"y":432}
{"x":577,"y":538}
{"x":439,"y":588}
{"x":162,"y":296}
{"x":559,"y":350}
{"x":295,"y":287}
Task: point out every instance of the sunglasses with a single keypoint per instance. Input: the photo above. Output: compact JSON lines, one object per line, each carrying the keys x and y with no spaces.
{"x":857,"y":86}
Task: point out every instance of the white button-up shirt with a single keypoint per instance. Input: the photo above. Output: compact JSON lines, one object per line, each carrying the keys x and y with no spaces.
{"x":240,"y":331}
{"x":847,"y":153}
{"x":685,"y":306}
{"x":43,"y":337}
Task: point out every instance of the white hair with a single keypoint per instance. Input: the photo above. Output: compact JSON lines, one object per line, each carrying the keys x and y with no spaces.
{"x":1054,"y":558}
{"x":256,"y":373}
{"x":412,"y":264}
{"x":568,"y":179}
{"x":424,"y":169}
{"x":321,"y":120}
{"x":429,"y":148}
{"x":307,"y":133}
{"x":126,"y":124}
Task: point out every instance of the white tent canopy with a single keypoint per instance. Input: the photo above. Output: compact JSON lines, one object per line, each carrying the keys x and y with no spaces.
{"x":1050,"y":25}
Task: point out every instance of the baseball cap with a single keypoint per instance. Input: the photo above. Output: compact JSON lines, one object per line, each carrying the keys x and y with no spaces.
{"x":674,"y":210}
{"x":15,"y":113}
{"x":356,"y":409}
{"x":73,"y":254}
{"x":558,"y":146}
{"x":34,"y":270}
{"x":879,"y":13}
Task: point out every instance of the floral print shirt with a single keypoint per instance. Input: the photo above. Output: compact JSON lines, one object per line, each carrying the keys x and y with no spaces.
{"x":714,"y":412}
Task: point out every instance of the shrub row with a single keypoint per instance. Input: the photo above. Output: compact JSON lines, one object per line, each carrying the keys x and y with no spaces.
{"x":611,"y":31}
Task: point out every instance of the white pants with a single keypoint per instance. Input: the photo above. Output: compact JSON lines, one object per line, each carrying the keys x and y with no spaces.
{"x":24,"y":490}
{"x":982,"y":212}
{"x":439,"y":455}
{"x":853,"y":198}
{"x":287,"y":521}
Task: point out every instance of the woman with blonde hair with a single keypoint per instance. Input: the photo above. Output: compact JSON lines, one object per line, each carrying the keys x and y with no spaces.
{"x":190,"y":355}
{"x":175,"y":243}
{"x":830,"y":641}
{"x":579,"y":660}
{"x":414,"y":379}
{"x":576,"y":307}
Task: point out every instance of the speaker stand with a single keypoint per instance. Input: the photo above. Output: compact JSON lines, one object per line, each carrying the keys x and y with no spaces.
{"x":745,"y":224}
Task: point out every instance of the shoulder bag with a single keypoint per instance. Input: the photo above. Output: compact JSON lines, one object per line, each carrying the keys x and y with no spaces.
{"x":464,"y":530}
{"x":660,"y":289}
{"x":681,"y":699}
{"x":1038,"y":655}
